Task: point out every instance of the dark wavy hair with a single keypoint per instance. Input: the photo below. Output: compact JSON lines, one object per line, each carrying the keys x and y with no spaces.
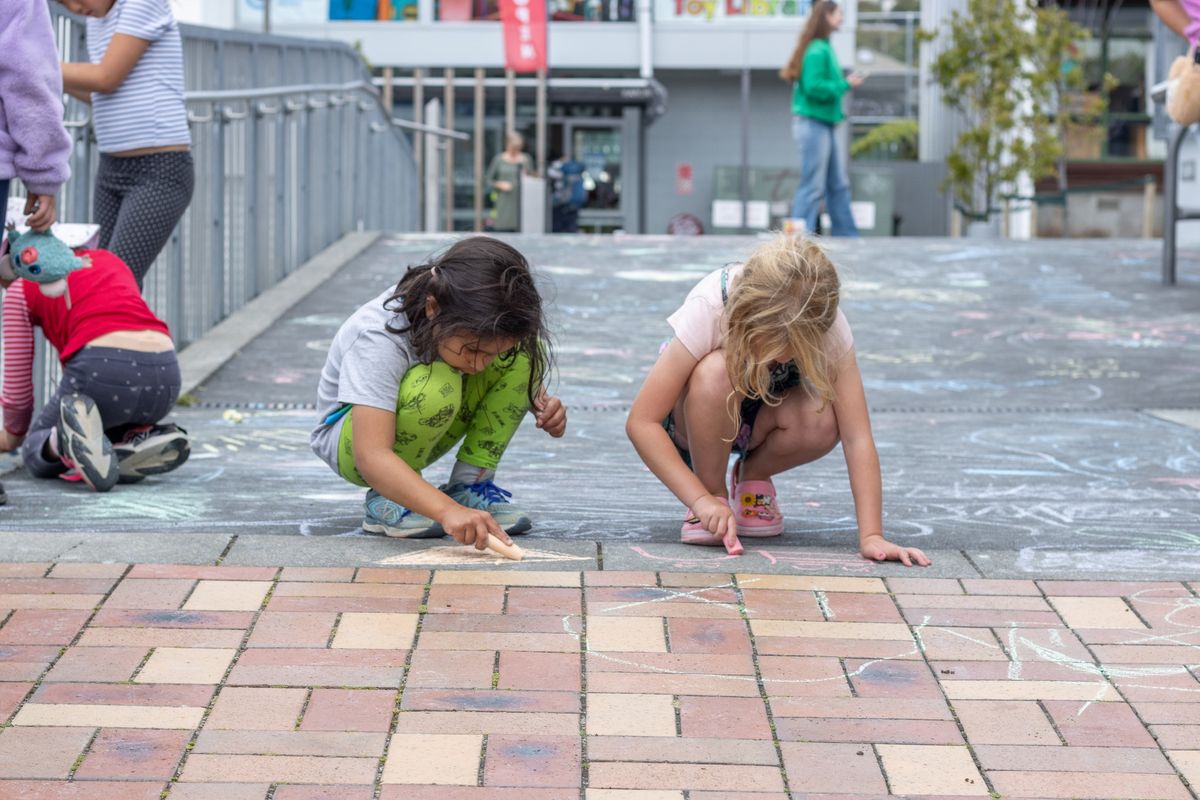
{"x":483,"y":287}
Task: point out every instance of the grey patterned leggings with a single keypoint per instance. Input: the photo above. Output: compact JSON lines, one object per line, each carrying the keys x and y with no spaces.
{"x":138,"y":202}
{"x":129,"y":388}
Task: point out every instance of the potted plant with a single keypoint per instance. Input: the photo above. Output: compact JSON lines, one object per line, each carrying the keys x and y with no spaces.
{"x":987,"y":71}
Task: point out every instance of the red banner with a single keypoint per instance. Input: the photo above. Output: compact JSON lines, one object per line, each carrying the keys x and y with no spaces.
{"x":524,"y":34}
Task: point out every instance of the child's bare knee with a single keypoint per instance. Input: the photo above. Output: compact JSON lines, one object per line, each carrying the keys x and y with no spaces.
{"x":709,"y":381}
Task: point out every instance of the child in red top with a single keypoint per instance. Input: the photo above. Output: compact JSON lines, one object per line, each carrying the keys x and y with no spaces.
{"x":120,"y":378}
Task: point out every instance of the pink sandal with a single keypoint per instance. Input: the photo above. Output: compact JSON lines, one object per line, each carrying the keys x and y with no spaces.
{"x":757,"y":509}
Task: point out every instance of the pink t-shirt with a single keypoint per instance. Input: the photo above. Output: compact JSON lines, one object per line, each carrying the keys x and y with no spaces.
{"x":697,"y":323}
{"x":1192,"y":32}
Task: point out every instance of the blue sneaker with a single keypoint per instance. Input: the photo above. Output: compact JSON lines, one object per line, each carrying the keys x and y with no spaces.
{"x":392,"y":519}
{"x":487,"y":496}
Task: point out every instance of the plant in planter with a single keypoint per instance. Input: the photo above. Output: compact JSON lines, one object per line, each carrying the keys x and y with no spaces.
{"x":895,"y":139}
{"x":1061,"y":83}
{"x":1002,"y":68}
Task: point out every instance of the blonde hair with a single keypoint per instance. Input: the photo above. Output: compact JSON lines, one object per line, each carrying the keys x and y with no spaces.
{"x":783,"y":304}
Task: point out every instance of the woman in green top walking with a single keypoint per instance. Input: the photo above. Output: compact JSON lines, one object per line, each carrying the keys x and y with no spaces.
{"x":504,"y":176}
{"x":817,"y":108}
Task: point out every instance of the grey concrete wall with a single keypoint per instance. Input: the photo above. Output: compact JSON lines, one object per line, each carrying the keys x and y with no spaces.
{"x":1105,"y":215}
{"x":702,"y":127}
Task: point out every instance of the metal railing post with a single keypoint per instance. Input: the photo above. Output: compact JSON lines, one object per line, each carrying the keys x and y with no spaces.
{"x":1171,"y":202}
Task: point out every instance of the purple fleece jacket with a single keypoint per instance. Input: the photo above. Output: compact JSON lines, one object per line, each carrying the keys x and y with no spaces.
{"x":34,"y":145}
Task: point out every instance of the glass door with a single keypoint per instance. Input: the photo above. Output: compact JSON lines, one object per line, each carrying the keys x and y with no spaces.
{"x":598,"y":148}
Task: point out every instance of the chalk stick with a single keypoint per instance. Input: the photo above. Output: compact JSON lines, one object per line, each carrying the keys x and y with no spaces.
{"x":732,"y":545}
{"x":509,"y":551}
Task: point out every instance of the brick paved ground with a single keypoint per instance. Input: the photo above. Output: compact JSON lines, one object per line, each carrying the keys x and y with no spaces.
{"x":243,"y":683}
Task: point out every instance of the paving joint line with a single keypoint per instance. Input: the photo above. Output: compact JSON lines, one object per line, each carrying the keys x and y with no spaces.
{"x":962,"y":731}
{"x":225,"y":553}
{"x":308,"y":693}
{"x":1062,"y":740}
{"x":1129,"y":604}
{"x":62,"y":649}
{"x":221,"y":684}
{"x":761,"y":682}
{"x":398,"y":700}
{"x":974,"y":566}
{"x":1103,"y":670}
{"x":584,"y":763}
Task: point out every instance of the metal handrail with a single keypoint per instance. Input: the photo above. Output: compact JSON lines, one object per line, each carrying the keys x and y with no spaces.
{"x":1172,"y":213}
{"x":436,"y":131}
{"x":218,"y":95}
{"x":278,"y":178}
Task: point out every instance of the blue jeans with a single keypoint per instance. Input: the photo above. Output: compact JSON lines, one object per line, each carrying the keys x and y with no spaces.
{"x":821,"y":174}
{"x":3,"y":200}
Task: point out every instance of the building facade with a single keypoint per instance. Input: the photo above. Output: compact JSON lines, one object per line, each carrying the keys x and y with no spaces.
{"x":649,"y":94}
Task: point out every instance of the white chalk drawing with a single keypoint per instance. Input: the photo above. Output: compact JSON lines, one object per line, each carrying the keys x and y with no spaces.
{"x":445,"y":555}
{"x":1155,"y":563}
{"x":1021,"y":649}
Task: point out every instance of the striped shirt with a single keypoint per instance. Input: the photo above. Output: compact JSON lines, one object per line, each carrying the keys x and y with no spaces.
{"x":16,"y":330}
{"x":104,"y":298}
{"x":147,"y":110}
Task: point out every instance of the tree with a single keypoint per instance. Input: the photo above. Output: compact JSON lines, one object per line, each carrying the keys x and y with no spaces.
{"x":1059,"y":81}
{"x":1004,"y":68}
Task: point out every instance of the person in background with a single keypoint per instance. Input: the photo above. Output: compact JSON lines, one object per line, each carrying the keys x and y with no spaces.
{"x":34,"y":145}
{"x":818,"y":87}
{"x":568,"y":194}
{"x":135,"y":85}
{"x":504,"y":177}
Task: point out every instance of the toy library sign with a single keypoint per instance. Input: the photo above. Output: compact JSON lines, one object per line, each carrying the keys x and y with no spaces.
{"x":717,"y":10}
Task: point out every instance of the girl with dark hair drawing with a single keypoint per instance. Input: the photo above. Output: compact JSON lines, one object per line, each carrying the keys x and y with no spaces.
{"x":455,"y":351}
{"x":817,"y":108}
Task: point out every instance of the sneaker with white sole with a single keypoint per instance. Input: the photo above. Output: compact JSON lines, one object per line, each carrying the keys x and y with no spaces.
{"x":392,"y":519}
{"x":487,"y":496}
{"x":82,"y":444}
{"x":151,"y":450}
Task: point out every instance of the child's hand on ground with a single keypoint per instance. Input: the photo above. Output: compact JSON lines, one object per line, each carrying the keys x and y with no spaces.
{"x":8,"y":442}
{"x":40,"y":210}
{"x":472,"y":526}
{"x":877,"y":548}
{"x":716,"y":517}
{"x":550,"y":413}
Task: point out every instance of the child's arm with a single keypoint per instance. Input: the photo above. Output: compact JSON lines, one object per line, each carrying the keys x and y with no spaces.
{"x":120,"y":58}
{"x":1173,"y":15}
{"x":654,"y":402}
{"x":862,"y":462}
{"x":386,"y":473}
{"x":16,"y":331}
